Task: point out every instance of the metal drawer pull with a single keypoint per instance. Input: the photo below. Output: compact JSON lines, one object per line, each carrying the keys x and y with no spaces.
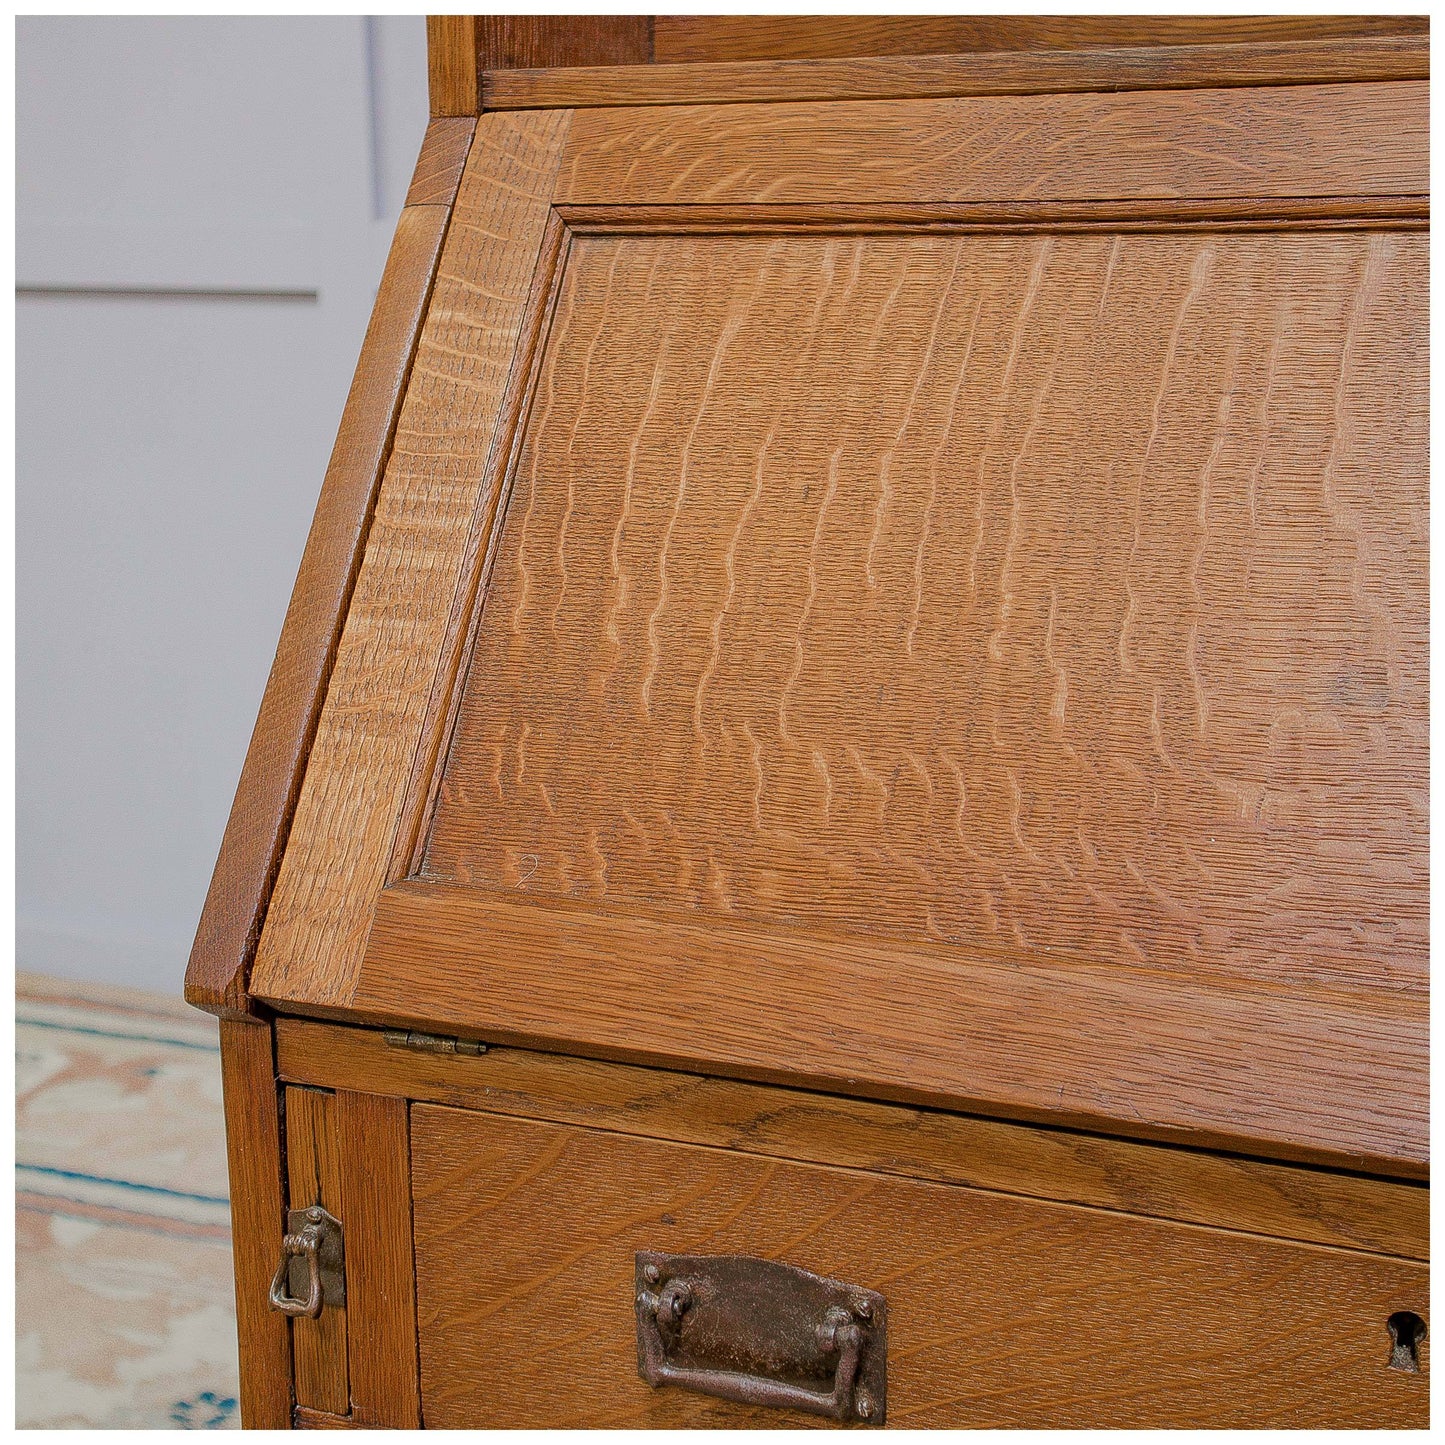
{"x":312,"y":1243}
{"x":762,"y":1333}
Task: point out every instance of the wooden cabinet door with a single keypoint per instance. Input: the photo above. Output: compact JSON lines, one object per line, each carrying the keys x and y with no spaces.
{"x":924,"y":597}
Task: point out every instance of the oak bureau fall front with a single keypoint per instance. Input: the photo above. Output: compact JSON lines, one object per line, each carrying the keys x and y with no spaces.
{"x":839,"y":832}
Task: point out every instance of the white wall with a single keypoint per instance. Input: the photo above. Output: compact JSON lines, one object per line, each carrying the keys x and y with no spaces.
{"x":204,"y":207}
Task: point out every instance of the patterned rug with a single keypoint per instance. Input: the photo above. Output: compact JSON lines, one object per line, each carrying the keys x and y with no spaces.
{"x":123,"y":1302}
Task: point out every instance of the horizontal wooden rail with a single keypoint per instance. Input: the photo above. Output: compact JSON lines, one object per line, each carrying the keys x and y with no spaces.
{"x":1336,"y":1078}
{"x":1154,"y":67}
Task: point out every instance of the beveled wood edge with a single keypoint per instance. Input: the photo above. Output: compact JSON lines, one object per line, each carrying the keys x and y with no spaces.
{"x":344,"y":843}
{"x":255,"y":1165}
{"x":1027,"y":72}
{"x":483,"y":541}
{"x":249,"y":858}
{"x":1223,"y":1064}
{"x":1252,"y":1196}
{"x":443,"y":157}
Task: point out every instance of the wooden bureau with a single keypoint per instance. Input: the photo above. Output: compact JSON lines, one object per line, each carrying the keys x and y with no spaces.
{"x":839,"y":828}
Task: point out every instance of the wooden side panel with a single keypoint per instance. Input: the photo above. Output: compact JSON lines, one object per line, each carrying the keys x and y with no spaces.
{"x":1002,"y":1312}
{"x":793,"y":37}
{"x":253,"y":1153}
{"x":1311,"y":62}
{"x":313,"y":1167}
{"x":260,"y":820}
{"x":451,"y":56}
{"x":1274,"y":141}
{"x":381,"y":1303}
{"x":1347,"y":1210}
{"x":435,"y":483}
{"x":443,"y":154}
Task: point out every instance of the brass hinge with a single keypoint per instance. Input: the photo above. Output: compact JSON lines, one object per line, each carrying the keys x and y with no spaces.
{"x":431,"y":1043}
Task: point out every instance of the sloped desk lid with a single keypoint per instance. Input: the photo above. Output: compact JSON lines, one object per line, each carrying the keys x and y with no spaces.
{"x":981,"y":663}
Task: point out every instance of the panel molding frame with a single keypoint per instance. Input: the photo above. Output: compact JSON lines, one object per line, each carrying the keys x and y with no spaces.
{"x":570,"y":220}
{"x":1114,"y":217}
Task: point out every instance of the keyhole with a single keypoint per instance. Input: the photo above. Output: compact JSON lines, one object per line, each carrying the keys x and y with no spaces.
{"x":1406,"y":1329}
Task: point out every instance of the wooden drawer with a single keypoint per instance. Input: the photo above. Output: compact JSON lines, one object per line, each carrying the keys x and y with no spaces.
{"x":1002,"y":1311}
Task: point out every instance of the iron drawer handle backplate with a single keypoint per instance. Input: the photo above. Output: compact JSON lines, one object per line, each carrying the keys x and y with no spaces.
{"x":762,"y":1333}
{"x":312,"y":1246}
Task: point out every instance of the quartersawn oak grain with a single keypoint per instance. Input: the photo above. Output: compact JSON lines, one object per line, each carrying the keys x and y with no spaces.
{"x":1230,"y":1192}
{"x":342,"y":835}
{"x":313,"y":1169}
{"x":260,"y":819}
{"x":1162,"y":67}
{"x":254,"y":1160}
{"x":480,"y":553}
{"x":373,"y":1140}
{"x":1127,"y":536}
{"x":1002,"y":1312}
{"x":704,"y":38}
{"x":384,"y":729}
{"x":1299,"y":140}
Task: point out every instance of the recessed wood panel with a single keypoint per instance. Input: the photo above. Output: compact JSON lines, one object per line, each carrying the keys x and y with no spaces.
{"x":1054,"y":595}
{"x":1001,"y":1312}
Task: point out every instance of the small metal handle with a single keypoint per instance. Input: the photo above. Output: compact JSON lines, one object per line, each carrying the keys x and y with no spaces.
{"x":314,"y":1237}
{"x":762,"y":1333}
{"x":307,"y":1244}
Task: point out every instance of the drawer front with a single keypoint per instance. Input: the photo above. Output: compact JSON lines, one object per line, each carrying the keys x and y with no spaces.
{"x":1001,"y":1311}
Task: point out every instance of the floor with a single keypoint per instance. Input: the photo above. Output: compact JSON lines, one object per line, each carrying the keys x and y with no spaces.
{"x":124,"y":1314}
